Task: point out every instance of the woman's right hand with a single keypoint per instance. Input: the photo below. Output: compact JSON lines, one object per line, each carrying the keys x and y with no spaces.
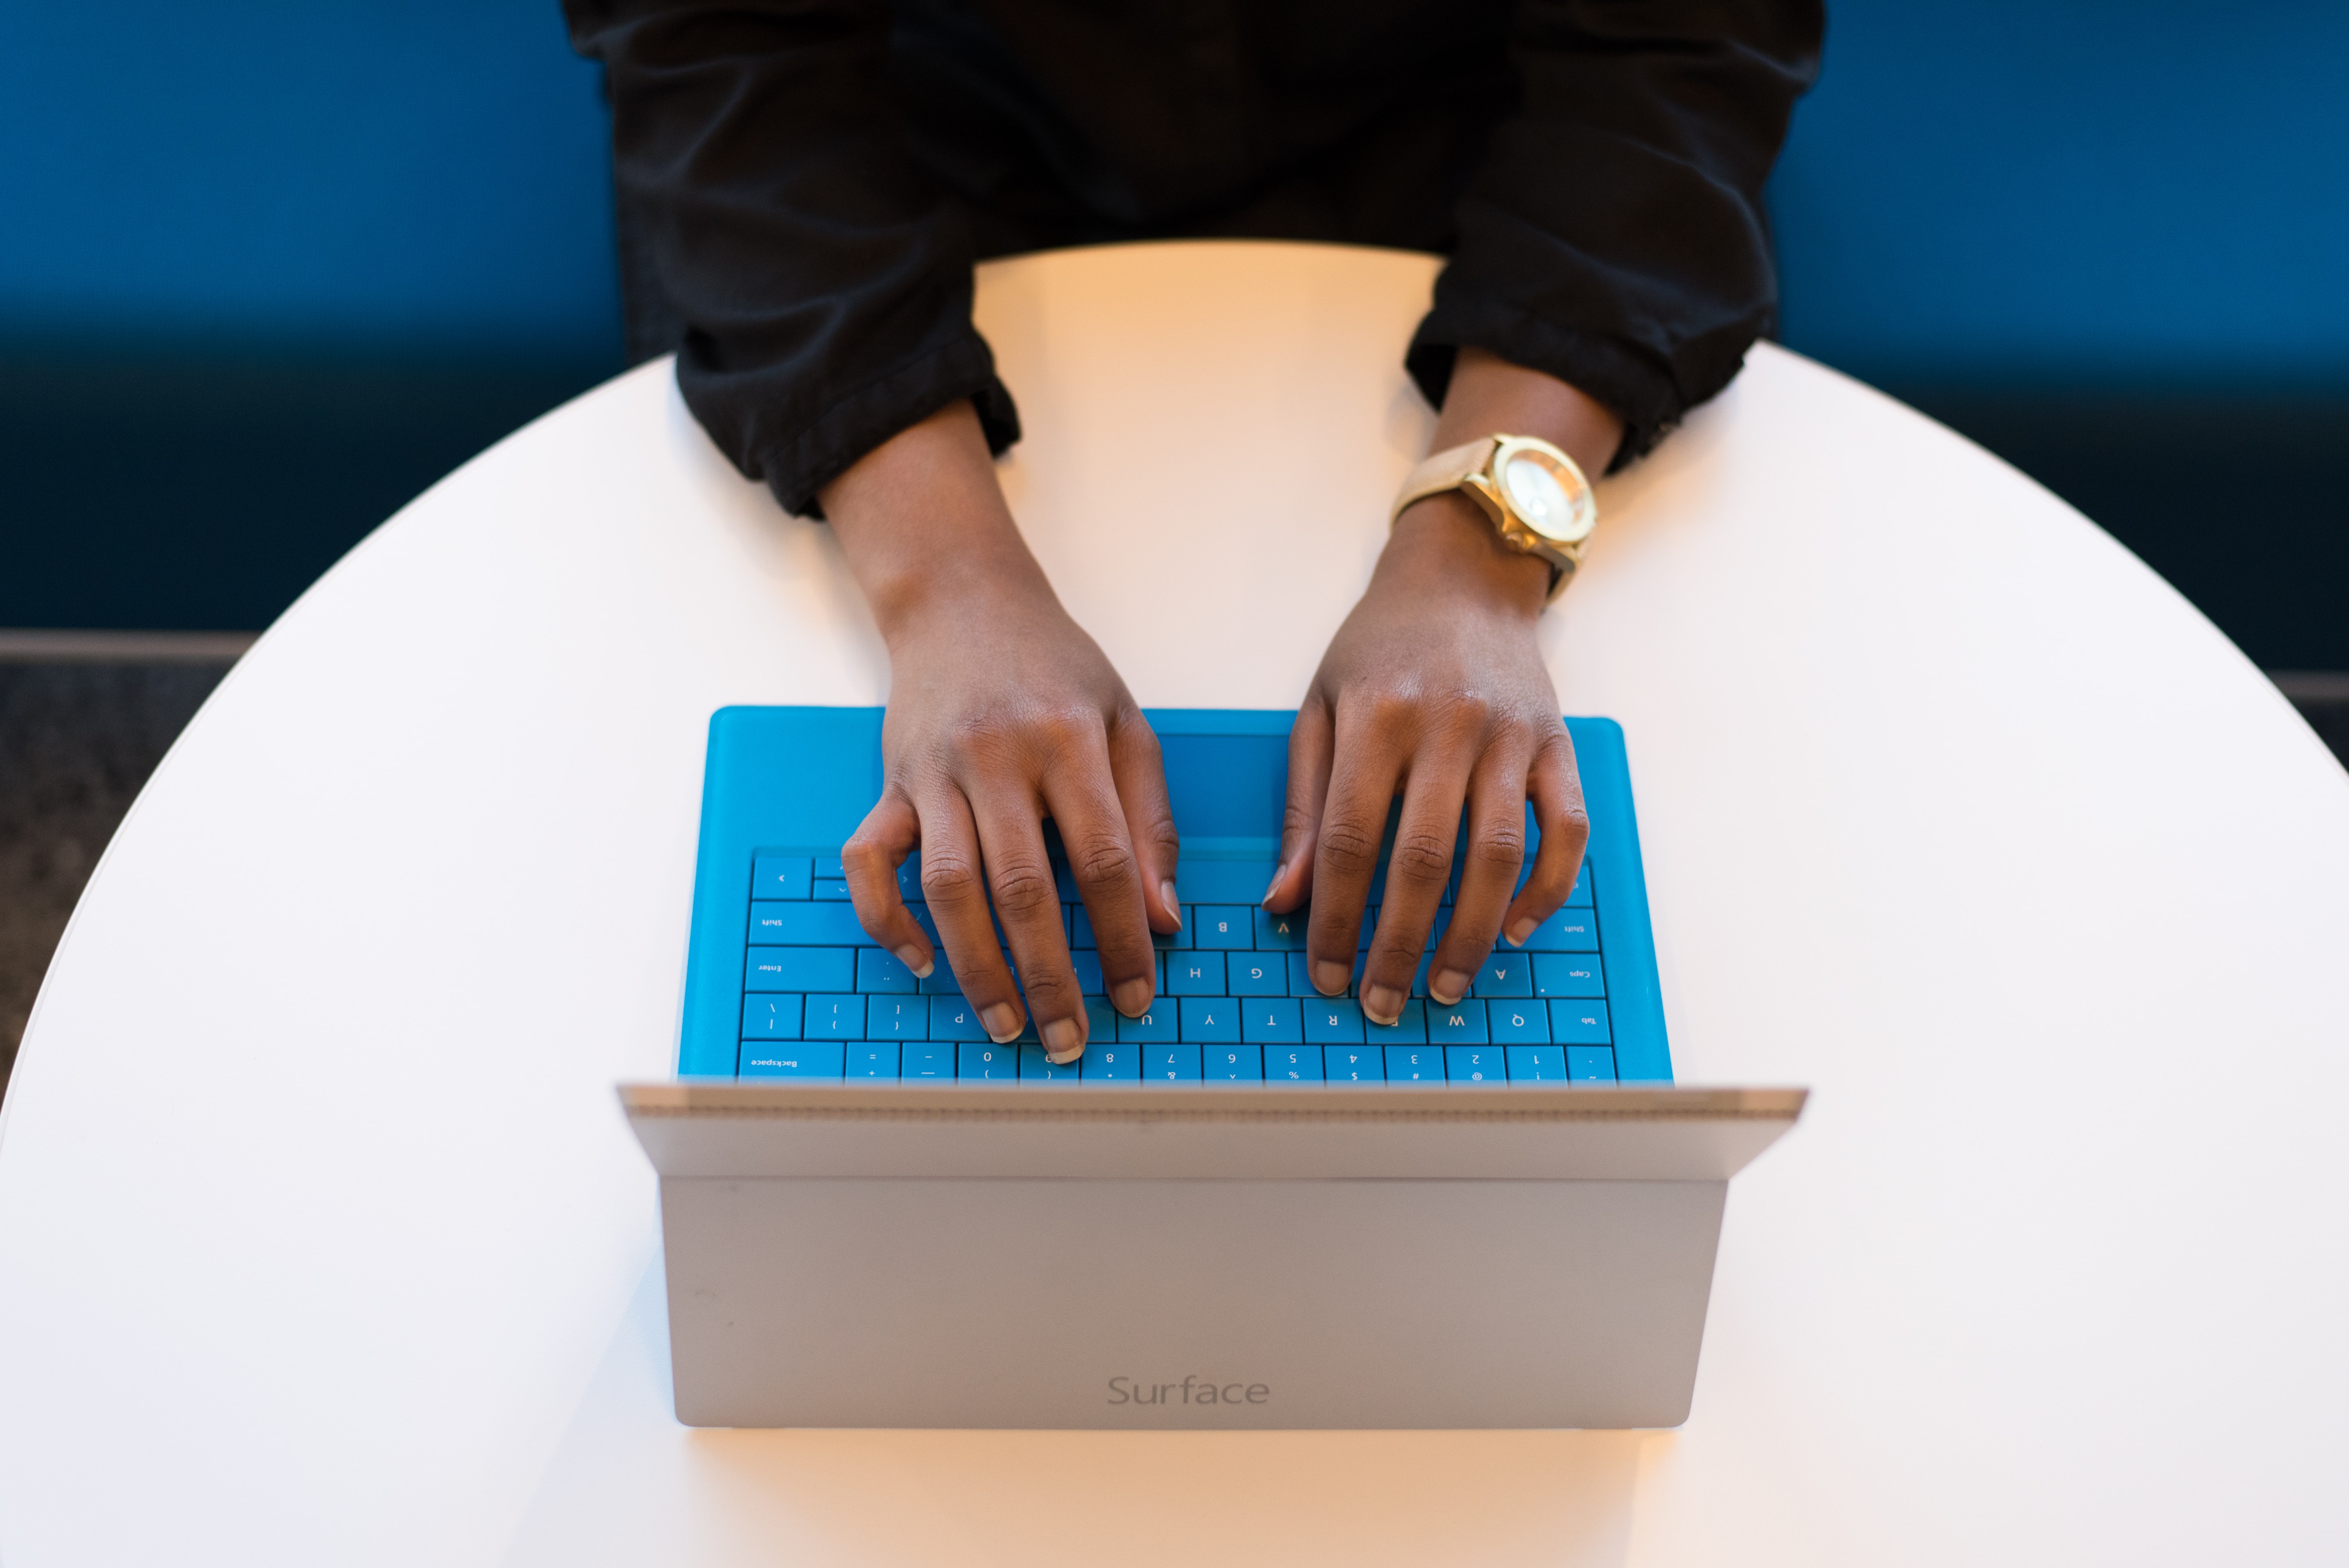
{"x":1003,"y":712}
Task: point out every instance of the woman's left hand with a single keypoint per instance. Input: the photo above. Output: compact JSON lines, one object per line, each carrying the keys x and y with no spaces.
{"x":1434,"y":689}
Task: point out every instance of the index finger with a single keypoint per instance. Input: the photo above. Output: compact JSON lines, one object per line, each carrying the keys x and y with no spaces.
{"x":889,"y":833}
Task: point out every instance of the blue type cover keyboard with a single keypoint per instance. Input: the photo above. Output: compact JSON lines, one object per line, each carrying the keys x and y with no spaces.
{"x":783,"y":983}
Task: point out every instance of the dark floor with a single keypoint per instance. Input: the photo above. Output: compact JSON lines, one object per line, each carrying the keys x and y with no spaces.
{"x":78,"y":736}
{"x":78,"y":739}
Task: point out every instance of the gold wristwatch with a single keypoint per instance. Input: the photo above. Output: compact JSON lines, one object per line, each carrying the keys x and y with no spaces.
{"x":1536,"y":495}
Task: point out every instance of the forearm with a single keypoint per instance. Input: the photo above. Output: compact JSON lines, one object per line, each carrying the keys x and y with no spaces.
{"x":1489,"y":396}
{"x":923,"y":523}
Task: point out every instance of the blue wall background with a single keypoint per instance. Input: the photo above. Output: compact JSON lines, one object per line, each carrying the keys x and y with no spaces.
{"x":267,"y":269}
{"x":425,"y":176}
{"x":2074,"y":190}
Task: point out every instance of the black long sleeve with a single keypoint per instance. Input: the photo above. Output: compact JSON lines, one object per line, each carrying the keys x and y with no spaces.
{"x":823,"y":282}
{"x":1613,"y":235}
{"x":803,"y":186}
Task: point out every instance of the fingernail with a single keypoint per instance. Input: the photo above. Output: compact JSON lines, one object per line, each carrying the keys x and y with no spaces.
{"x":911,"y":957}
{"x":1449,"y":986}
{"x":1330,"y":977}
{"x":1133,"y":997}
{"x":1002,"y":1022}
{"x":1277,"y":872}
{"x":1167,"y":900}
{"x":1384,"y":1003}
{"x":1519,"y":932}
{"x":1063,"y":1042}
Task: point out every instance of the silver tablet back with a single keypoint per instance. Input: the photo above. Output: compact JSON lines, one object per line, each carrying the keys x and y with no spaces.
{"x":991,"y":1255}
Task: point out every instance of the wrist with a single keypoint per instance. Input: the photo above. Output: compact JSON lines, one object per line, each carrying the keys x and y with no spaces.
{"x":1444,"y":544}
{"x":953,"y":586}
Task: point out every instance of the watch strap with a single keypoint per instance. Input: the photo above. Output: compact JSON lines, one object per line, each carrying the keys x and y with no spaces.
{"x":1444,"y":470}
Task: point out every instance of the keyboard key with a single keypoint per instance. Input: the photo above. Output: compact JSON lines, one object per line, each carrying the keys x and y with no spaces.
{"x":1567,"y":974}
{"x":1170,"y":1063}
{"x":1505,"y":974}
{"x":1257,"y":974}
{"x":800,"y":969}
{"x":1482,"y":1066}
{"x":1194,"y":974}
{"x":1409,"y":1028}
{"x":1107,"y":1061}
{"x":1272,"y":1021}
{"x":829,"y":867}
{"x":833,"y":1018}
{"x":1570,"y":930}
{"x":1087,"y":964}
{"x":1518,"y":1023}
{"x":1332,"y":1020}
{"x":877,"y":970}
{"x":805,"y":1059}
{"x":1280,"y":932}
{"x":987,"y":1060}
{"x":1581,"y":897}
{"x":1461,"y":1023}
{"x":926,"y":1059}
{"x":1064,"y":876}
{"x":1211,"y":1020}
{"x":807,"y":926}
{"x":771,"y":1017}
{"x":1300,"y":976}
{"x":1035,"y":1068}
{"x":1537,"y":1064}
{"x":1354,"y":1064}
{"x":1579,"y":1022}
{"x":1231,"y":1064}
{"x":952,"y":1018}
{"x":833,"y":890}
{"x":1224,"y":925}
{"x":1154,"y":1028}
{"x":1240,"y":882}
{"x":1179,"y":940}
{"x":941,"y":981}
{"x":780,"y":876}
{"x":1292,"y":1064}
{"x":792,"y":1059}
{"x":1591,"y":1064}
{"x":1414,"y":1064}
{"x":1100,"y":1021}
{"x":873,"y":1059}
{"x":909,"y":878}
{"x":890,"y":1018}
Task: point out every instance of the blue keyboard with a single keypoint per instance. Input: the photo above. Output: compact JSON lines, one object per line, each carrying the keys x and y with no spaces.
{"x":781,"y":983}
{"x":821,"y":1000}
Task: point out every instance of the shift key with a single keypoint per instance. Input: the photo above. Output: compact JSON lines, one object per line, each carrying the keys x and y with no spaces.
{"x":784,"y":924}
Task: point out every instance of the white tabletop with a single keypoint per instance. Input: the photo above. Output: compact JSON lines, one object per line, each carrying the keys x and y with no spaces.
{"x":322,"y":1240}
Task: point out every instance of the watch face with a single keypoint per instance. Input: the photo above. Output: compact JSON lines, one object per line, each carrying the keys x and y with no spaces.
{"x":1553,"y":503}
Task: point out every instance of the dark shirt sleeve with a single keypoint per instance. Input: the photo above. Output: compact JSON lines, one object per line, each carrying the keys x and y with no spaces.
{"x":823,"y":285}
{"x":1614,"y":235}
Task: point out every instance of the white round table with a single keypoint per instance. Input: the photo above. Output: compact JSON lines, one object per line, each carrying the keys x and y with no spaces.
{"x":322,"y":1239}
